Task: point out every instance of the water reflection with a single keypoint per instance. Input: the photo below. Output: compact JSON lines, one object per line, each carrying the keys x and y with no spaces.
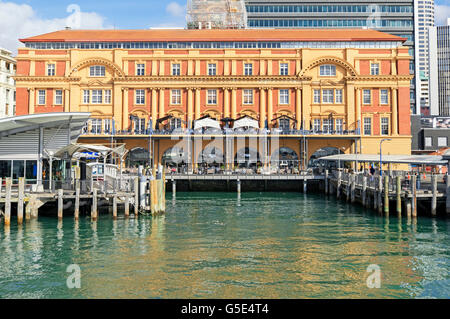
{"x":219,"y":246}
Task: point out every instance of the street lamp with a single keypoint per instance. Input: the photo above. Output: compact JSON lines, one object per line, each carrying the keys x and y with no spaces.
{"x":381,"y":161}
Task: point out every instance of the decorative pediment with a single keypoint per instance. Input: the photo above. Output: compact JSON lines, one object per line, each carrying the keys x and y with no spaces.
{"x":98,"y":61}
{"x":329,"y":60}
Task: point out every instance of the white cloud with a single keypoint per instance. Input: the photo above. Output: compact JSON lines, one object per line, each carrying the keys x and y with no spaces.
{"x":442,"y":12}
{"x":21,"y":21}
{"x":176,"y":9}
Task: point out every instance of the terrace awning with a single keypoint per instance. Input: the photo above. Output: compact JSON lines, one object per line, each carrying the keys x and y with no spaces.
{"x":72,"y":149}
{"x":395,"y":159}
{"x":246,"y":122}
{"x":206,"y":122}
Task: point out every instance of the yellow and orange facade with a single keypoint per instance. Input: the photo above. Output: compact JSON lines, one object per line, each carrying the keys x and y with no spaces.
{"x":346,"y":89}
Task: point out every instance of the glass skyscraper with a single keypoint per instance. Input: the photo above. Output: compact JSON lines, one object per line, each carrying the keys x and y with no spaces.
{"x":395,"y":17}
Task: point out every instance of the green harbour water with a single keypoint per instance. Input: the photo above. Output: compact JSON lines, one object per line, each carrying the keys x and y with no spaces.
{"x":212,"y":245}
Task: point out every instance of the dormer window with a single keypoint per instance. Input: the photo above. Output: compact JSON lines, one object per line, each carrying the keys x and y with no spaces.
{"x":327,"y":70}
{"x":97,"y":70}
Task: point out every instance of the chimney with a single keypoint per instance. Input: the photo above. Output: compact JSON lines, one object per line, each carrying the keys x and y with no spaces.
{"x":68,"y":28}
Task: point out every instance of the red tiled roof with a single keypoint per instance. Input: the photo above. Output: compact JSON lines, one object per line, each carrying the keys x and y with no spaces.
{"x":174,"y":35}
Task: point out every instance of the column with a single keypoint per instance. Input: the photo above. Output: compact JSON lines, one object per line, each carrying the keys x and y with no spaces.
{"x":226,"y":102}
{"x":394,"y":112}
{"x":190,"y":108}
{"x":197,"y":104}
{"x":262,"y":107}
{"x":270,"y":106}
{"x":125,"y":109}
{"x":66,"y":101}
{"x":154,"y":107}
{"x":162,"y":112}
{"x":233,"y":103}
{"x":306,"y":106}
{"x":31,"y":101}
{"x":358,"y":109}
{"x":298,"y":108}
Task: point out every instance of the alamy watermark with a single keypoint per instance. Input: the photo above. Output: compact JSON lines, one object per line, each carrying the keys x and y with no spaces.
{"x":74,"y":279}
{"x":374,"y":279}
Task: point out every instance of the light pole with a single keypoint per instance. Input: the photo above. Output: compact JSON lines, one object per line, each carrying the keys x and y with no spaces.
{"x":381,"y":154}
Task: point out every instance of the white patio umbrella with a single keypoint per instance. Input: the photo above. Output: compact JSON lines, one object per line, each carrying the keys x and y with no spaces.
{"x":246,"y":122}
{"x":207,"y":122}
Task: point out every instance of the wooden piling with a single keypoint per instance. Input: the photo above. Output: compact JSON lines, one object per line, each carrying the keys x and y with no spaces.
{"x":414,"y":195}
{"x":174,"y":188}
{"x":77,"y":199}
{"x":127,"y":206}
{"x":434,"y":198}
{"x":380,"y":190}
{"x":94,"y":205}
{"x":408,"y":207}
{"x":447,"y":192}
{"x":386,"y":195}
{"x":364,"y":191}
{"x":60,"y":203}
{"x":115,"y":206}
{"x":338,"y":185}
{"x":399,"y":195}
{"x":20,"y":200}
{"x":238,"y":185}
{"x":8,"y":202}
{"x":352,"y":187}
{"x":375,"y":193}
{"x":305,"y":185}
{"x":326,"y":182}
{"x":136,"y":196}
{"x":348,"y":187}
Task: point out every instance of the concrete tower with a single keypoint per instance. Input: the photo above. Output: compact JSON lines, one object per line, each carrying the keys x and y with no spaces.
{"x":216,"y":14}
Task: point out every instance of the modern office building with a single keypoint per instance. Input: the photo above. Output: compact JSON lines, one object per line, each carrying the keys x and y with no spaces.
{"x":440,"y":69}
{"x":430,"y":133}
{"x":7,"y":84}
{"x":393,"y":16}
{"x":423,"y":21}
{"x":297,"y":90}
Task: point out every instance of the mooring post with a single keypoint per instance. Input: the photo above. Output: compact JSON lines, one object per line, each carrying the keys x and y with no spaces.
{"x":408,"y":207}
{"x":94,"y":205}
{"x":115,"y":206}
{"x":447,"y":193}
{"x":174,"y":188}
{"x":338,"y":187}
{"x":127,"y":205}
{"x":375,"y":193}
{"x":8,"y":202}
{"x":399,"y":195}
{"x":77,"y":199}
{"x":305,"y":185}
{"x":348,"y":187}
{"x":60,"y":203}
{"x":364,"y":191}
{"x":136,"y":196}
{"x":434,"y":198}
{"x":386,"y":194}
{"x":414,"y":195}
{"x":380,"y":190}
{"x":352,"y":187}
{"x":326,"y":182}
{"x":20,"y":201}
{"x":238,"y":183}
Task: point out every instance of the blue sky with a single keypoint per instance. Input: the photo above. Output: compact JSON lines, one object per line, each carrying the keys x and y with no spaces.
{"x":24,"y":18}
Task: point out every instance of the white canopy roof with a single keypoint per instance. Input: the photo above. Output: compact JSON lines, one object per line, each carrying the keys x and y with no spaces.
{"x":399,"y":159}
{"x":207,"y":122}
{"x":76,"y":148}
{"x":246,"y":122}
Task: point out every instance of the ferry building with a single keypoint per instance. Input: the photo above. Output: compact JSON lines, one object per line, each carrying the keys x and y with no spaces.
{"x":228,"y":98}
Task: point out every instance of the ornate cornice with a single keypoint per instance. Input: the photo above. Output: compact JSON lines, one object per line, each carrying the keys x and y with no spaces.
{"x":46,"y":79}
{"x":379,"y":78}
{"x":207,"y":79}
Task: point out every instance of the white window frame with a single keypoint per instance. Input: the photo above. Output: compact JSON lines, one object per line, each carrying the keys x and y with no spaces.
{"x":97,"y":97}
{"x":107,"y":123}
{"x":248,"y":69}
{"x":339,"y":125}
{"x":317,"y":96}
{"x":212,"y":69}
{"x":58,"y":96}
{"x":367,"y":126}
{"x":384,"y":123}
{"x":247,"y":97}
{"x":284,"y":68}
{"x":51,"y":69}
{"x":140,"y":69}
{"x":339,"y":96}
{"x":327,"y":70}
{"x":211,"y":97}
{"x":108,"y":97}
{"x":42,"y":97}
{"x":384,"y":97}
{"x":86,"y":96}
{"x":96,"y":126}
{"x":97,"y":71}
{"x":283,"y":96}
{"x":176,"y":69}
{"x":326,"y":97}
{"x":326,"y":126}
{"x":428,"y":141}
{"x":140,"y":97}
{"x":139,"y":125}
{"x":374,"y":69}
{"x":175,"y":97}
{"x":367,"y":94}
{"x":317,"y":125}
{"x":440,"y":140}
